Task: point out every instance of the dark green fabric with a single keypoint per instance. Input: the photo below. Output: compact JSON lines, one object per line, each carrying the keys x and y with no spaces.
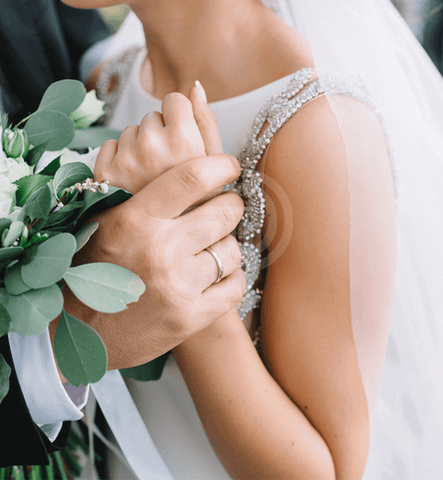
{"x":41,"y":41}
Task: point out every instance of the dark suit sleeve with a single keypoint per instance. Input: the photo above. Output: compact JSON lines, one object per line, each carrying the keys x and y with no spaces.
{"x":23,"y":443}
{"x":41,"y":42}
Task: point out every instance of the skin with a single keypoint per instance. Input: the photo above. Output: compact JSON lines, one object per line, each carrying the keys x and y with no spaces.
{"x":303,"y":412}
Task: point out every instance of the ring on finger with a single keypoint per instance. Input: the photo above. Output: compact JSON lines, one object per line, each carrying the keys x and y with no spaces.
{"x":218,"y":262}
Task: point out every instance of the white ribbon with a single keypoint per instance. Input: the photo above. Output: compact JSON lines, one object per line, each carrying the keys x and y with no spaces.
{"x":129,"y":428}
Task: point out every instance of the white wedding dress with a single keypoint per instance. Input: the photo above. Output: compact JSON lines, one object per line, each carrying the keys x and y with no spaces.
{"x":407,"y":427}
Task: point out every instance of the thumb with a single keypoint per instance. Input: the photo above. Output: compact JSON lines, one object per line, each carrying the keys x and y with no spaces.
{"x":205,"y":120}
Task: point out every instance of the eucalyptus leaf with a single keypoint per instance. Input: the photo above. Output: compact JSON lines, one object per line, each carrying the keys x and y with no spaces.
{"x":70,"y":174}
{"x":93,"y":137}
{"x":52,"y":167}
{"x":97,"y":202}
{"x":26,"y":186}
{"x":5,"y":373}
{"x":63,"y":96}
{"x":50,"y":262}
{"x":4,"y":223}
{"x":15,"y":230}
{"x":104,"y":287}
{"x":80,"y":352}
{"x":52,"y":126}
{"x":40,"y":203}
{"x":83,"y":235}
{"x":64,"y":216}
{"x":32,"y":311}
{"x":149,"y":371}
{"x":5,"y":319}
{"x":36,"y":153}
{"x":13,"y":280}
{"x":10,"y":253}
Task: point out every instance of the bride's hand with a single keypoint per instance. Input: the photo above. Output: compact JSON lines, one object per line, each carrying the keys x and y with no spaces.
{"x":144,"y":152}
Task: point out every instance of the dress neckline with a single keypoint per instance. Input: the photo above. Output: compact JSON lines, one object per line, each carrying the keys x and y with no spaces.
{"x":227,"y":102}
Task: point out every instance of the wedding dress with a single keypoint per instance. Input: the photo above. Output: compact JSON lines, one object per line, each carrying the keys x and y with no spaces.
{"x":407,"y":425}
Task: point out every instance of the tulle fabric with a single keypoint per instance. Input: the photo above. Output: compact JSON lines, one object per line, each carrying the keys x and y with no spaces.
{"x":370,"y":38}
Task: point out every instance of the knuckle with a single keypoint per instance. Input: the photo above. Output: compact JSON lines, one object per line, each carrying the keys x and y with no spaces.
{"x":176,"y":97}
{"x":192,"y":180}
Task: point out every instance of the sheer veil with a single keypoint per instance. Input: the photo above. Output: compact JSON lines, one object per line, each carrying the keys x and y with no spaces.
{"x":369,"y":39}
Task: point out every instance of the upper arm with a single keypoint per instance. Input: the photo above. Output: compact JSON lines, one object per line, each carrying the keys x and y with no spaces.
{"x":328,"y":294}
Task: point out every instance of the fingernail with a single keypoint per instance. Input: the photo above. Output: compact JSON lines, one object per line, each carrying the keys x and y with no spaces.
{"x":201,"y":91}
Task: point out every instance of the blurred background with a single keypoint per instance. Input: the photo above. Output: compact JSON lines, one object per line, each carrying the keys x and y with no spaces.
{"x":424,"y":17}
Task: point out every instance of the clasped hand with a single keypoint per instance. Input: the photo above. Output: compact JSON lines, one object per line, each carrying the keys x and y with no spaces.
{"x":170,"y":163}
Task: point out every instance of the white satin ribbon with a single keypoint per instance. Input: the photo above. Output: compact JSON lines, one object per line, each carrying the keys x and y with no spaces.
{"x":129,"y":428}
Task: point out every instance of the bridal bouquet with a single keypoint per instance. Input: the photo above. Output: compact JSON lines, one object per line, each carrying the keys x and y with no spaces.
{"x":46,"y":193}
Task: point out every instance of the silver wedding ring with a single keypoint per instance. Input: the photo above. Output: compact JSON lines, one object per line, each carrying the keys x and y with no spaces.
{"x":218,"y":262}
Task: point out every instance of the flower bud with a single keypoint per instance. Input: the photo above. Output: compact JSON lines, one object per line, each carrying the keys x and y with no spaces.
{"x":90,"y":110}
{"x":15,"y":143}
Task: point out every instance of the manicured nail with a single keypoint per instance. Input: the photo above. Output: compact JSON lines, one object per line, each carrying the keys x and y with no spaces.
{"x":201,"y":91}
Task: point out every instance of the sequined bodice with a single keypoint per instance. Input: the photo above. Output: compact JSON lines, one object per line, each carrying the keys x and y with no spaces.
{"x":274,"y":114}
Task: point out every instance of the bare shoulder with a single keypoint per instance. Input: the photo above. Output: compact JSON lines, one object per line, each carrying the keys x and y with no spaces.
{"x":320,"y":143}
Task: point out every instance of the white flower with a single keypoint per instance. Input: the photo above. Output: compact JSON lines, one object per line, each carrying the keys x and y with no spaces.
{"x":88,"y":159}
{"x":7,"y":195}
{"x":89,"y":111}
{"x":14,"y":168}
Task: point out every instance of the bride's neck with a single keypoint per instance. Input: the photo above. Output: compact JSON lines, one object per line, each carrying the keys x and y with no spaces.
{"x":216,"y":42}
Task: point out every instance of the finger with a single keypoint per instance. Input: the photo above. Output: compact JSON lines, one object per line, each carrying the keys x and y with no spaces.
{"x":210,"y":222}
{"x":225,"y":252}
{"x":128,"y":137}
{"x":104,"y":158}
{"x":170,"y":194}
{"x":176,"y":108}
{"x":151,"y":121}
{"x":222,"y":297}
{"x":205,"y":120}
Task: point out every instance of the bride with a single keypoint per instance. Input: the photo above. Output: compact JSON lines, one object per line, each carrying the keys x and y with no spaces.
{"x":331,"y":365}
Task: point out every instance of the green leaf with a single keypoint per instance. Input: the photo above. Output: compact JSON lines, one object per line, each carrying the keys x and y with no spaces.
{"x":40,"y":203}
{"x":63,"y":96}
{"x":97,"y":202}
{"x":4,"y":223}
{"x":28,"y":185}
{"x":15,"y":230}
{"x":5,"y":372}
{"x":93,"y":137}
{"x":66,"y":215}
{"x":36,"y":153}
{"x":13,"y":280}
{"x":52,"y":126}
{"x":80,"y":352}
{"x":70,"y":174}
{"x":5,"y":319}
{"x":50,"y":262}
{"x":32,"y":311}
{"x":149,"y":371}
{"x":10,"y":253}
{"x":104,"y":287}
{"x":52,"y":167}
{"x":83,"y":235}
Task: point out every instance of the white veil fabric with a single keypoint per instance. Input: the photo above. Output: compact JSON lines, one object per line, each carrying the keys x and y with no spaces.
{"x":369,"y":38}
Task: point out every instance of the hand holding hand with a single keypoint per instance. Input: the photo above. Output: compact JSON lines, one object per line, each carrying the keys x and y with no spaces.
{"x":160,"y":142}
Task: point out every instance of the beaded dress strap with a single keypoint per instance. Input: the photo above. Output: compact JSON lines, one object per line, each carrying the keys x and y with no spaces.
{"x":113,"y":78}
{"x":277,"y":111}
